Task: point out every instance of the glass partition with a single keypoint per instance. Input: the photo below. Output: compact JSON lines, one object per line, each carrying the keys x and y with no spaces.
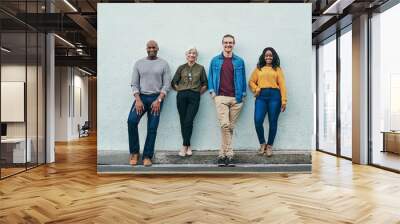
{"x":22,"y":64}
{"x":14,"y":153}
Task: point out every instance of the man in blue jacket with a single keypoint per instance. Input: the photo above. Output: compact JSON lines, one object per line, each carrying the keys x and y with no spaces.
{"x":227,"y":86}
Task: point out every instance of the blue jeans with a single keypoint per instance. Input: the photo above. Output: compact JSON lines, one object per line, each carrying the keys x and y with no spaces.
{"x":152,"y":125}
{"x":268,"y":101}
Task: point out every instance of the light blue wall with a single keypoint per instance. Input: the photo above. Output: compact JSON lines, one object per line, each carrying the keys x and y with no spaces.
{"x":123,"y":30}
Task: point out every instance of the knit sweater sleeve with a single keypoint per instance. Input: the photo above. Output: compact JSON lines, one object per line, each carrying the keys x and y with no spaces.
{"x":282,"y":86}
{"x":253,"y":82}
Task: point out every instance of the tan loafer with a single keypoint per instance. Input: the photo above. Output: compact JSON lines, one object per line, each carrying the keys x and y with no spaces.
{"x":262,"y":149}
{"x":189,"y":151}
{"x":182,"y":152}
{"x":269,"y":150}
{"x":134,"y":159}
{"x":147,"y":162}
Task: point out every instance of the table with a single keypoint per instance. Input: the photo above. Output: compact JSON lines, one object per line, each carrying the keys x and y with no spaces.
{"x":391,"y":141}
{"x":17,"y":147}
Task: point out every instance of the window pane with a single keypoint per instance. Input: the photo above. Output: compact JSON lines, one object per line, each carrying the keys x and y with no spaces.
{"x":386,"y":89}
{"x":346,"y":93}
{"x":327,"y":97}
{"x":31,"y":100}
{"x":41,"y":98}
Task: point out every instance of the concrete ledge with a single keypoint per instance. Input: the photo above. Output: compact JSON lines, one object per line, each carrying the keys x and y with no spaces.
{"x":209,"y":157}
{"x":203,"y":169}
{"x":168,"y":162}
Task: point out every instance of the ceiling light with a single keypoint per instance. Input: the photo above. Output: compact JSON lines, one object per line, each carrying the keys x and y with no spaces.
{"x":70,"y":5}
{"x":84,"y":71}
{"x":65,"y":41}
{"x":334,"y":8}
{"x":5,"y":50}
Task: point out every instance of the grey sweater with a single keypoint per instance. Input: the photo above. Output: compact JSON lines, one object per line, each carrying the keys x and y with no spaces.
{"x":151,"y":76}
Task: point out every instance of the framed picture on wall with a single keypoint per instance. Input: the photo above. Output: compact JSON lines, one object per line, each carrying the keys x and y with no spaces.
{"x":154,"y":58}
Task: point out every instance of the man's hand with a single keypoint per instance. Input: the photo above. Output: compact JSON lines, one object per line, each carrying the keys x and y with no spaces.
{"x":139,"y":106}
{"x":155,"y":107}
{"x":283,"y":107}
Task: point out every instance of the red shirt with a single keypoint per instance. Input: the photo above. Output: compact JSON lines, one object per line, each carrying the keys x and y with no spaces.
{"x":227,"y":85}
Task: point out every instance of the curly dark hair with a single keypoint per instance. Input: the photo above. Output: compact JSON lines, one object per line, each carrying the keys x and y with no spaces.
{"x":275,"y":59}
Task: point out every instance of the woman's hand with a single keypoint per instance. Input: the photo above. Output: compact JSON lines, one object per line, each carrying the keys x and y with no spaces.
{"x":283,"y":107}
{"x":203,"y":90}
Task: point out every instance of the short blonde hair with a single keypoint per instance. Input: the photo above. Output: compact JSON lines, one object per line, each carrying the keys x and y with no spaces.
{"x":191,"y":48}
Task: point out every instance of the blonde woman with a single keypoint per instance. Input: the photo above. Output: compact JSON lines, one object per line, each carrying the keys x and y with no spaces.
{"x":190,"y":81}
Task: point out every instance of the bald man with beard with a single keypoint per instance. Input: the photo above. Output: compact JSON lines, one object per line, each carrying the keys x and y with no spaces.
{"x":150,"y":84}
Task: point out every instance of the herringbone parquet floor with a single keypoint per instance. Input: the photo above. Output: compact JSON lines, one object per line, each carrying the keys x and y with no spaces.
{"x":70,"y":191}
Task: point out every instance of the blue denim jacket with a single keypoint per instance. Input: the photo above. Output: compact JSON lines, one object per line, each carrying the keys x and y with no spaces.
{"x":239,"y":75}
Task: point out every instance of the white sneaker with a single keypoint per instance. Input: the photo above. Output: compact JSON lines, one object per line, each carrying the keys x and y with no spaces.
{"x":189,"y":151}
{"x":182,"y":152}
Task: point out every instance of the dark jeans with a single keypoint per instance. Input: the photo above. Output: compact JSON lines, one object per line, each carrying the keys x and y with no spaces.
{"x":152,"y":125}
{"x":268,"y":101}
{"x":188,"y":103}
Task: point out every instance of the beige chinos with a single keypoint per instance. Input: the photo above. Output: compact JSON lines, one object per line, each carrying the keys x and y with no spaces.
{"x":228,"y":111}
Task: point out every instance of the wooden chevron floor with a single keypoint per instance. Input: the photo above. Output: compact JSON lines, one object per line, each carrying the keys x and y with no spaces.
{"x":70,"y":191}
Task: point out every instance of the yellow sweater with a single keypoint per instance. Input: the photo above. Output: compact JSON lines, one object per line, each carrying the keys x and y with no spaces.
{"x":268,"y":78}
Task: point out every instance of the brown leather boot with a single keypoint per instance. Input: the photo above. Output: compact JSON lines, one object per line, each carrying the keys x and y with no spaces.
{"x":134,"y":159}
{"x":147,"y":162}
